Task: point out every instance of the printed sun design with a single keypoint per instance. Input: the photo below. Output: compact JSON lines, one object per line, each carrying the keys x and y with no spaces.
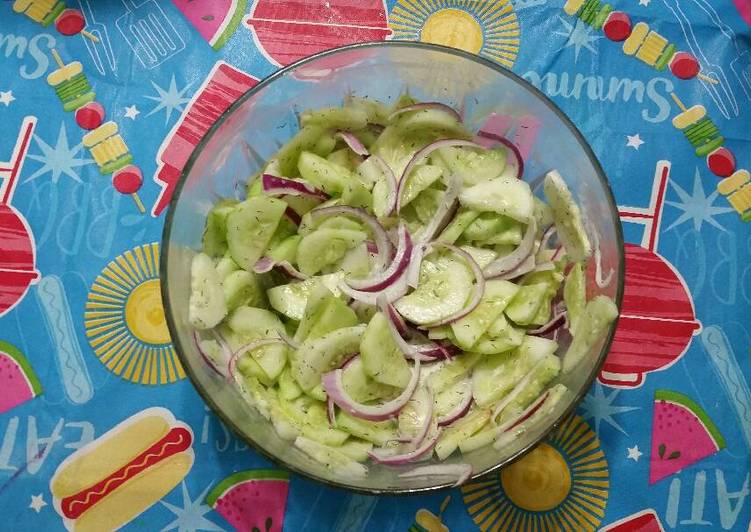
{"x":489,"y":29}
{"x":125,"y":322}
{"x":562,"y":484}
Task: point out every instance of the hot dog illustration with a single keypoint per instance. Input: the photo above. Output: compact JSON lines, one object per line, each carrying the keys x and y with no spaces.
{"x":107,"y":483}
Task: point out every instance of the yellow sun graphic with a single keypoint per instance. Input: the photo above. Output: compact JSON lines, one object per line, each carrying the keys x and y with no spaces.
{"x":562,"y":484}
{"x":484,"y":27}
{"x":125,"y":323}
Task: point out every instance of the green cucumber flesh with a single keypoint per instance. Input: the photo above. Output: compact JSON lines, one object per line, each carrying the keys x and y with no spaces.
{"x":318,"y":355}
{"x":250,"y":227}
{"x":470,"y":328}
{"x":206,"y":305}
{"x":324,"y":247}
{"x":508,"y":196}
{"x":567,"y":217}
{"x":382,"y":359}
{"x":215,"y":231}
{"x":291,"y":299}
{"x":592,"y":327}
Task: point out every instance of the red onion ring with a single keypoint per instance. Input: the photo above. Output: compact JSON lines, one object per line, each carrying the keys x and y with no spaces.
{"x":266,"y":264}
{"x":424,"y":352}
{"x":281,"y":186}
{"x":206,"y":358}
{"x":462,"y":472}
{"x":438,"y":106}
{"x":224,"y":346}
{"x":479,"y":285}
{"x":332,"y":384}
{"x":559,"y":252}
{"x":546,"y":236}
{"x":602,"y":283}
{"x":510,"y":146}
{"x":293,"y":216}
{"x":556,"y":321}
{"x":427,"y":419}
{"x":445,"y":210}
{"x":387,"y":277}
{"x":514,"y":259}
{"x":386,"y":456}
{"x":462,"y":408}
{"x":392,"y":292}
{"x":413,"y":270}
{"x":232,"y":364}
{"x":382,"y":241}
{"x":330,"y":412}
{"x":521,"y":418}
{"x":353,"y":143}
{"x":424,"y":152}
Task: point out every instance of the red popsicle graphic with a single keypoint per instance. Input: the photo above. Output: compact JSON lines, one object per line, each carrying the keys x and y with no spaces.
{"x":286,"y":31}
{"x":644,"y":521}
{"x":223,"y":86}
{"x":657,"y":319}
{"x":17,"y":250}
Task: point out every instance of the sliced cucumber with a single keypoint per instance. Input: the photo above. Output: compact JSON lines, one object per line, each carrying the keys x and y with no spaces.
{"x":242,"y":288}
{"x":369,"y":172}
{"x":311,"y":420}
{"x":444,"y":286}
{"x":555,"y":396}
{"x":288,"y":388}
{"x":431,"y":120}
{"x":413,"y":417}
{"x":250,"y":227}
{"x":575,"y":295}
{"x":377,"y":432}
{"x":499,"y":339}
{"x":461,"y":221}
{"x":526,"y":304}
{"x":319,"y":355}
{"x":460,"y":431}
{"x":324,"y":247}
{"x":329,"y":177}
{"x":356,"y":263}
{"x":288,"y":156}
{"x":539,"y":377}
{"x":567,"y":218}
{"x":382,"y":359}
{"x":592,"y":326}
{"x":225,"y":266}
{"x":348,"y":118}
{"x":363,"y":388}
{"x":426,"y":204}
{"x":508,"y":196}
{"x":452,"y":372}
{"x":473,"y":166}
{"x":338,"y":462}
{"x":449,"y":399}
{"x":285,"y":250}
{"x":252,"y":324}
{"x":206,"y":306}
{"x":421,"y":177}
{"x":291,"y":299}
{"x":496,"y":297}
{"x":355,"y":194}
{"x":215,"y":232}
{"x":357,"y":450}
{"x":324,"y":313}
{"x":488,"y":225}
{"x":482,"y":256}
{"x":377,"y":112}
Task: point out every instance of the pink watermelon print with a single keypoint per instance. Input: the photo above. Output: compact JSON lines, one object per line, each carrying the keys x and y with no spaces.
{"x":682,"y":434}
{"x":252,"y":501}
{"x":18,"y":381}
{"x":215,"y":20}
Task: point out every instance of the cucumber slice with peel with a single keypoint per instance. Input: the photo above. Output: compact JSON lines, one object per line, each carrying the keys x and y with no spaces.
{"x":324,"y":247}
{"x":328,"y":176}
{"x":382,"y":359}
{"x":592,"y":327}
{"x":361,"y":387}
{"x":206,"y":305}
{"x":291,"y":299}
{"x":420,"y":178}
{"x":470,"y":328}
{"x":242,"y":288}
{"x":575,"y":295}
{"x":319,"y":355}
{"x":215,"y":232}
{"x":461,"y":430}
{"x":377,"y":432}
{"x":508,"y":196}
{"x":250,"y":227}
{"x":338,"y":462}
{"x":567,"y":217}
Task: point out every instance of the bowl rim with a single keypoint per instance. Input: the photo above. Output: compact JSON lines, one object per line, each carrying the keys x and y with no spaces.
{"x":167,"y":230}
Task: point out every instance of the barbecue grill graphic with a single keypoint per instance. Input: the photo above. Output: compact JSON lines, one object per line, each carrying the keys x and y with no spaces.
{"x":657,"y":319}
{"x":17,"y":249}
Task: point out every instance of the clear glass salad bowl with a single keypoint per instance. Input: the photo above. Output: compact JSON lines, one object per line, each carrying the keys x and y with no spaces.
{"x":266,"y":116}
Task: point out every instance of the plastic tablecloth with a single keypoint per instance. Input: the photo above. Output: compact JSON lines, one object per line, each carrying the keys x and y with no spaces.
{"x":662,"y":441}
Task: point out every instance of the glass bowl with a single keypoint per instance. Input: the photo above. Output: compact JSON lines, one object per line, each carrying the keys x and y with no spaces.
{"x":254,"y":127}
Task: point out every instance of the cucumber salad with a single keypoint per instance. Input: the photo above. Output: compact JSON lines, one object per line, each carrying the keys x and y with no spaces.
{"x":392,"y":290}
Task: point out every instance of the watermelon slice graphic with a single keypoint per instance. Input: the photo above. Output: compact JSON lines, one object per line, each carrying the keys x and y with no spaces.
{"x":252,"y":501}
{"x":215,"y":20}
{"x":18,"y":381}
{"x":682,"y":434}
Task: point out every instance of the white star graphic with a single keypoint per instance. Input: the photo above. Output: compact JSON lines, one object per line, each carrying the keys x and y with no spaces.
{"x":634,"y":141}
{"x":132,"y":112}
{"x":37,"y":502}
{"x":170,"y":100}
{"x":634,"y":453}
{"x":6,"y":97}
{"x":191,"y":516}
{"x":696,"y":206}
{"x":643,"y":2}
{"x":62,"y":159}
{"x":579,"y":36}
{"x":598,"y":406}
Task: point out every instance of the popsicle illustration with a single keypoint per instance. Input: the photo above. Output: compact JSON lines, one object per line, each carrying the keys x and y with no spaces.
{"x":17,"y":249}
{"x":58,"y":320}
{"x":725,"y":365}
{"x":223,"y":86}
{"x":643,"y":521}
{"x":67,"y":21}
{"x":657,"y":319}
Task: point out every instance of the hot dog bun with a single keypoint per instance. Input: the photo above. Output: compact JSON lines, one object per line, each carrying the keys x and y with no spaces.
{"x":107,"y":483}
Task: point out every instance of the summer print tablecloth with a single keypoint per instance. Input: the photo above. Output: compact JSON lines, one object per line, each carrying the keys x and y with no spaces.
{"x":661,"y":442}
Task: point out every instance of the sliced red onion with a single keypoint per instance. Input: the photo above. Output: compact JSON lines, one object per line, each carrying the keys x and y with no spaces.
{"x":555,"y":322}
{"x":394,"y":317}
{"x":413,"y":270}
{"x":479,"y":285}
{"x":424,"y":152}
{"x":559,"y":252}
{"x":396,"y":269}
{"x":225,"y":349}
{"x":388,"y":174}
{"x":427,"y":417}
{"x":510,"y":146}
{"x":546,"y":236}
{"x":462,"y":408}
{"x":445,"y":210}
{"x":602,"y":283}
{"x":462,"y":472}
{"x":281,"y":186}
{"x":232,"y":364}
{"x":438,"y":106}
{"x":206,"y":358}
{"x":371,"y":246}
{"x":382,"y":241}
{"x":386,"y":456}
{"x":266,"y":264}
{"x":512,"y":261}
{"x":293,"y":216}
{"x":521,"y":418}
{"x":330,"y":411}
{"x":391,"y":293}
{"x":332,"y":384}
{"x":424,"y":352}
{"x":353,"y":143}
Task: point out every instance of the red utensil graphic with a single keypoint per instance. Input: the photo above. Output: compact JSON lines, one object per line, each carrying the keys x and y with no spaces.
{"x":657,"y":319}
{"x":644,"y":521}
{"x":286,"y":31}
{"x":17,"y":250}
{"x":223,"y":86}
